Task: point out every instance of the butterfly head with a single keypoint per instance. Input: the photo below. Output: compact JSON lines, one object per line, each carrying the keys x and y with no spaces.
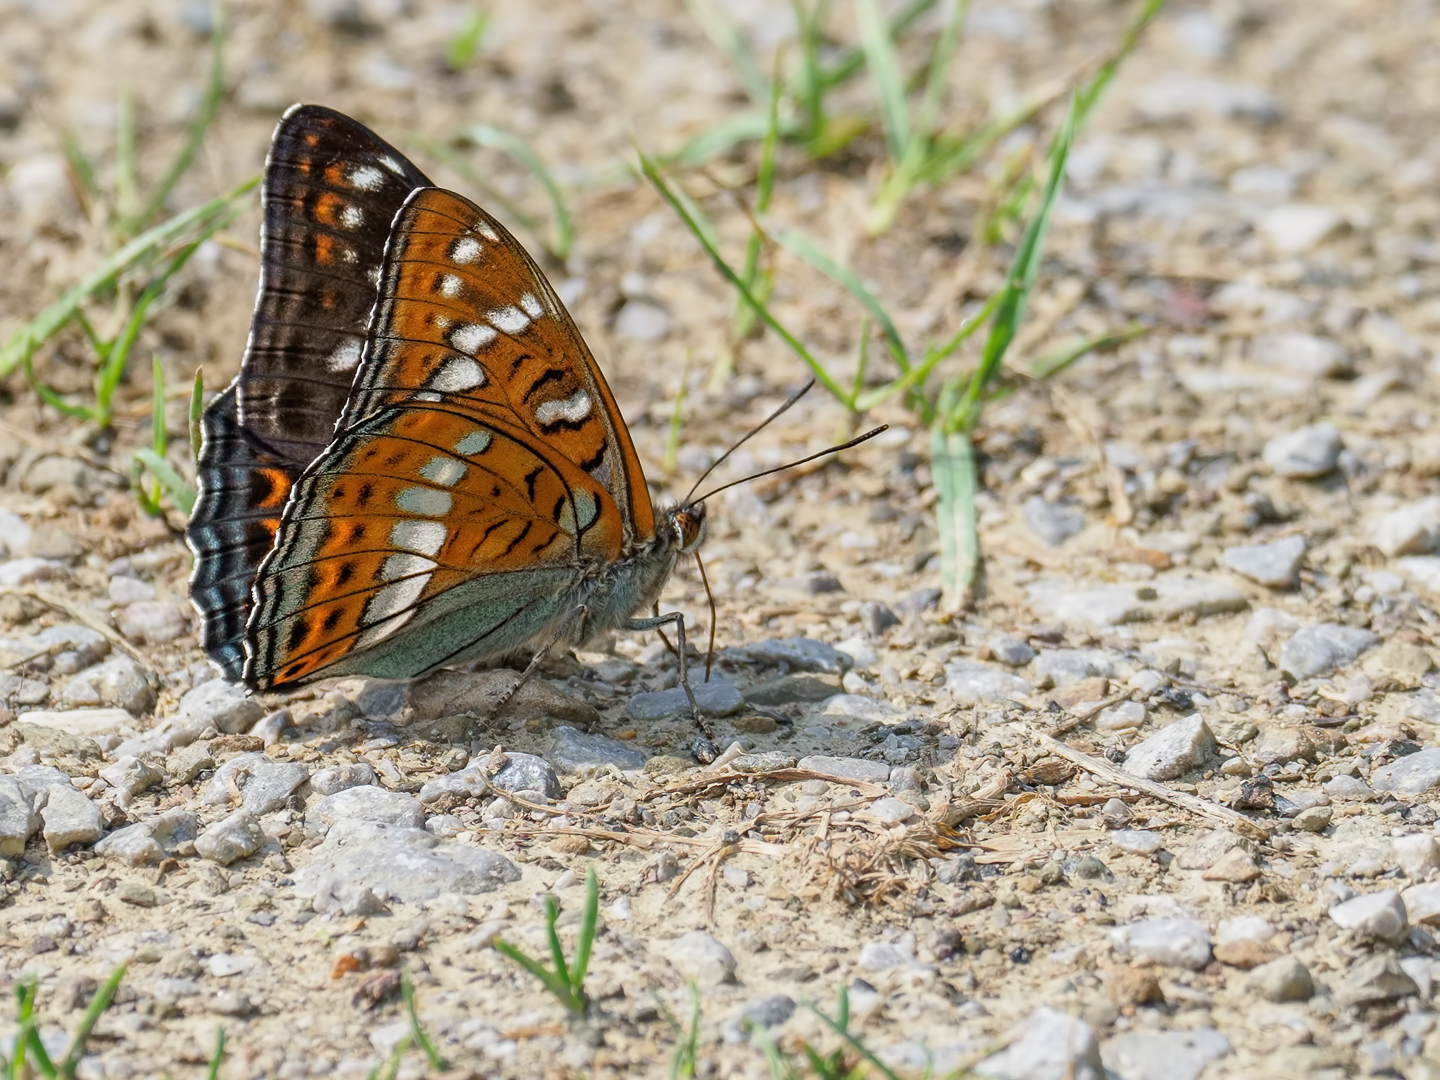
{"x":687,"y":527}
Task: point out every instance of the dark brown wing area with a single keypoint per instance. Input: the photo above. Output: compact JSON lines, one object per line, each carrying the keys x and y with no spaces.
{"x":331,"y":190}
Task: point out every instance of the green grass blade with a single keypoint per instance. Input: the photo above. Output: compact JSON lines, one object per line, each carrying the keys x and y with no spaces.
{"x":952,"y":464}
{"x":1129,"y":38}
{"x":727,"y":38}
{"x":182,"y":495}
{"x":801,"y":245}
{"x":195,"y":131}
{"x":547,"y":978}
{"x":521,"y":151}
{"x":669,"y":195}
{"x":468,"y":41}
{"x":928,"y":117}
{"x":52,"y":398}
{"x":808,"y":85}
{"x":197,"y":410}
{"x":417,"y":1033}
{"x":589,"y":919}
{"x":159,"y":437}
{"x":213,"y":1072}
{"x":1053,"y":363}
{"x":884,"y":64}
{"x":687,"y":1049}
{"x":841,"y":1026}
{"x":98,"y":1004}
{"x":113,"y":370}
{"x":1015,"y":294}
{"x":852,"y":59}
{"x":557,"y":951}
{"x":127,"y":184}
{"x":24,"y":341}
{"x":724,"y":137}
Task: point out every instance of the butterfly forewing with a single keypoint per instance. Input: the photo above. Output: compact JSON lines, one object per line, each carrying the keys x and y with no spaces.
{"x":331,"y":190}
{"x":466,"y":316}
{"x":408,"y":518}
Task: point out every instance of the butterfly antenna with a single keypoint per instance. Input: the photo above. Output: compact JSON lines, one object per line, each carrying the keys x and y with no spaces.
{"x":747,"y":437}
{"x":790,"y":465}
{"x":710,"y":598}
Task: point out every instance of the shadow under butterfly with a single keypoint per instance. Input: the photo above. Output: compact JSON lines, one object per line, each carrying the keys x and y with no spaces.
{"x":419,"y":463}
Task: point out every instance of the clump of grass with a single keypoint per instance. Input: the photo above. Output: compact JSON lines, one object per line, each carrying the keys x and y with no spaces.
{"x":946,"y":398}
{"x":466,"y":44}
{"x":30,"y":1056}
{"x":133,"y":278}
{"x":567,"y":981}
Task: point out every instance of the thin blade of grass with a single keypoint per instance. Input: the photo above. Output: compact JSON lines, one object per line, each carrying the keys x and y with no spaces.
{"x":687,"y":1050}
{"x":933,"y":356}
{"x":546,"y":977}
{"x":417,"y":1033}
{"x":952,"y":464}
{"x":107,"y":379}
{"x":524,"y":153}
{"x":852,"y":59}
{"x":800,"y":244}
{"x":197,"y":409}
{"x":744,"y":319}
{"x":127,"y":183}
{"x":557,"y":951}
{"x":589,"y":918}
{"x":841,"y":1026}
{"x":1129,"y":38}
{"x":98,"y":1004}
{"x":52,"y":398}
{"x":1015,"y":294}
{"x":182,"y":495}
{"x":879,"y":47}
{"x":822,"y":376}
{"x":928,"y":116}
{"x":467,"y":42}
{"x":159,"y":437}
{"x":218,"y":1057}
{"x":24,"y":341}
{"x":195,"y":131}
{"x":807,"y":86}
{"x":727,"y":38}
{"x":723,"y":137}
{"x":1055,"y":362}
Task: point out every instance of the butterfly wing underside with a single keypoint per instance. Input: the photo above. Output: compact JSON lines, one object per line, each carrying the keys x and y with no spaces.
{"x":480,"y":471}
{"x":331,"y":191}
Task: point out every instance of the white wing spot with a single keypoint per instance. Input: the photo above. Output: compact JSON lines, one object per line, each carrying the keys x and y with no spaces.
{"x":511,"y":320}
{"x":366,"y":178}
{"x":393,"y":165}
{"x":374,"y":275}
{"x":442,"y":321}
{"x":424,"y":395}
{"x":403,"y":565}
{"x":381,"y":631}
{"x":344,"y":358}
{"x":531,"y":305}
{"x":393,"y":599}
{"x":477,"y":442}
{"x":586,"y":508}
{"x":352,"y":217}
{"x":466,"y":250}
{"x":573,"y":409}
{"x":445,"y":471}
{"x":450,"y":286}
{"x":483,"y":228}
{"x":350,"y":256}
{"x":426,"y":537}
{"x":459,"y":373}
{"x":424,"y":500}
{"x":471,"y":337}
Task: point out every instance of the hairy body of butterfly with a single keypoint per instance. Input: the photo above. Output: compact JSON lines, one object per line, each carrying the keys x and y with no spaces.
{"x":420,"y":462}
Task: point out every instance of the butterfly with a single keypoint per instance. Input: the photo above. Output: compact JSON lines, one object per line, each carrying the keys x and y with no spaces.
{"x":420,"y":463}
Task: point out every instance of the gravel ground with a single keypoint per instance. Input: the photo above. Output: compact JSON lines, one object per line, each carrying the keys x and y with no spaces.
{"x":1162,"y":804}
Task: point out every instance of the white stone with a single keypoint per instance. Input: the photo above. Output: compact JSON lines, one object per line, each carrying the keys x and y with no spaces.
{"x":1379,"y":915}
{"x":1408,"y":530}
{"x":1049,"y":1045}
{"x":1417,"y":854}
{"x":1173,"y":751}
{"x":1296,"y":228}
{"x":1171,"y":942}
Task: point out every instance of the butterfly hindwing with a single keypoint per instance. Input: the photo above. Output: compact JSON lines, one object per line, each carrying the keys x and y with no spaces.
{"x":331,"y":190}
{"x":410,"y":518}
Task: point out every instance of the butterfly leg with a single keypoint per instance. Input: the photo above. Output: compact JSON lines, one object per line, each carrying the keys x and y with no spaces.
{"x":703,"y":747}
{"x":579,"y":615}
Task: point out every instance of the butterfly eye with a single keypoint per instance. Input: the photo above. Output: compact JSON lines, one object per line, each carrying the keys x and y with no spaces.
{"x":689,"y":525}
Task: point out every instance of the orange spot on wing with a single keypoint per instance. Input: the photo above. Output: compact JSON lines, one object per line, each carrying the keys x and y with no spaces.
{"x":327,"y":207}
{"x":324,"y":249}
